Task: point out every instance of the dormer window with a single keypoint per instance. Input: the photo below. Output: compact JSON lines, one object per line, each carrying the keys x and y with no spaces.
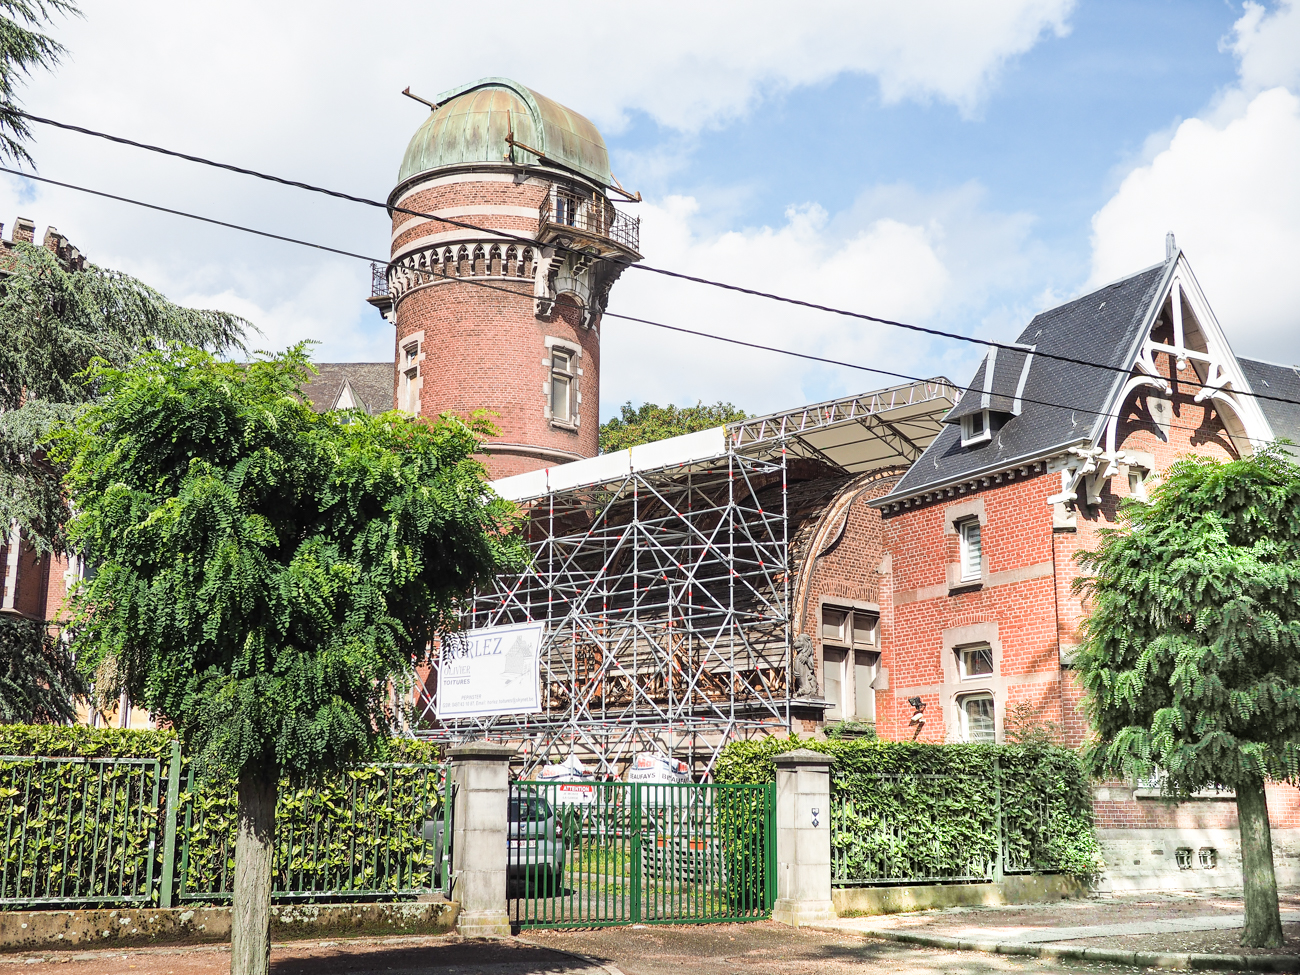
{"x":975,"y":428}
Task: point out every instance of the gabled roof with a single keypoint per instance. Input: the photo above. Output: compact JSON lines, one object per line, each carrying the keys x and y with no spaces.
{"x":1272,"y":379}
{"x":1062,"y":403}
{"x":998,"y":386}
{"x":370,"y":385}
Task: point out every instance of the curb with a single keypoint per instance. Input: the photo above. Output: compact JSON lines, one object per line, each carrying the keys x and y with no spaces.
{"x":1137,"y":959}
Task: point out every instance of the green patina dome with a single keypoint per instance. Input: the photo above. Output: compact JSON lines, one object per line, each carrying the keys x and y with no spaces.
{"x":471,"y":123}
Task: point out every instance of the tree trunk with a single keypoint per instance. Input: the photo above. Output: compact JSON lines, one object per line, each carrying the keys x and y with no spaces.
{"x":1263,"y":923}
{"x":250,"y":931}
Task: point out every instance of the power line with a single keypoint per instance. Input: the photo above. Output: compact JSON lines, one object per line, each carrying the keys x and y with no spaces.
{"x":519,"y":294}
{"x":517,"y":238}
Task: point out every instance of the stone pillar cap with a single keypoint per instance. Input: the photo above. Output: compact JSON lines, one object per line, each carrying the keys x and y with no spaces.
{"x":804,"y":756}
{"x":481,"y":751}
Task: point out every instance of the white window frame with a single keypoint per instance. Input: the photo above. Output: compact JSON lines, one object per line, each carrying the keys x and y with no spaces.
{"x":970,"y":561}
{"x":410,"y":378}
{"x":837,"y":708}
{"x":963,"y":718}
{"x":971,"y":436}
{"x":556,"y":348}
{"x":1142,"y":475}
{"x":847,"y":637}
{"x":964,"y":653}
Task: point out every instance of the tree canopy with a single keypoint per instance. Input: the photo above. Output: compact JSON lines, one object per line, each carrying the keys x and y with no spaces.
{"x":22,"y":48}
{"x":650,"y":422}
{"x":56,"y":320}
{"x":265,"y":572}
{"x":1192,"y":659}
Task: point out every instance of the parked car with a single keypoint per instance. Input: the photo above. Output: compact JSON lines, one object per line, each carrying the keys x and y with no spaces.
{"x":535,"y":848}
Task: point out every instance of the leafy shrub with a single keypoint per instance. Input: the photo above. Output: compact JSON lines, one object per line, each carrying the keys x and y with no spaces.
{"x":909,"y":810}
{"x":88,"y":831}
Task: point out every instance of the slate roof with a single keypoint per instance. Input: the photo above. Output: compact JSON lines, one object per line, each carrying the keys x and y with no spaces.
{"x":371,"y":382}
{"x":1062,"y":402}
{"x":1003,"y":393}
{"x":1271,"y":379}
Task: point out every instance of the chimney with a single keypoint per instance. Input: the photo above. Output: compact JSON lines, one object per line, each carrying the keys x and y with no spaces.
{"x":1171,"y":248}
{"x":24,"y":231}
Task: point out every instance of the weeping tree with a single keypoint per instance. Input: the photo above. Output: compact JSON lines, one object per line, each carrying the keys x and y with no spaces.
{"x":23,"y":46}
{"x":55,"y":320}
{"x":1192,"y":659}
{"x":267,"y":576}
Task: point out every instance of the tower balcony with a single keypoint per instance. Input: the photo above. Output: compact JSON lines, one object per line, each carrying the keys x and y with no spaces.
{"x":569,"y":213}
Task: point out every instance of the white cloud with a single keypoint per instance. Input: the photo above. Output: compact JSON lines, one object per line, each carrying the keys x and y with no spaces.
{"x":1228,"y":186}
{"x":310,"y":90}
{"x":895,"y":254}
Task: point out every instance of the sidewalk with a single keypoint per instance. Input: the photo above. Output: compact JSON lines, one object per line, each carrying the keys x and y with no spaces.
{"x":1175,"y":923}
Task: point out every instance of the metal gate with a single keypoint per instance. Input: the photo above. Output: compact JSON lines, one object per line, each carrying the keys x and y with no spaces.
{"x":584,"y":854}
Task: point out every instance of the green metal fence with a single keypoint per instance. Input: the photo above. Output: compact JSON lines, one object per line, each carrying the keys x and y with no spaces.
{"x":78,"y":831}
{"x":596,"y":854}
{"x":103,"y":831}
{"x":892,"y":828}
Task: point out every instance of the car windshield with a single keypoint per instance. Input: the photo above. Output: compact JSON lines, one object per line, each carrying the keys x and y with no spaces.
{"x":525,"y":810}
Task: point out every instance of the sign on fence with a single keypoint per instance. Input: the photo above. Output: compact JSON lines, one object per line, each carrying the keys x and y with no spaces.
{"x":493,"y":670}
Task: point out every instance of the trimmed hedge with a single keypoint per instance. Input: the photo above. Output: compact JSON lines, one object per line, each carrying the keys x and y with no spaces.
{"x":352,"y":831}
{"x":1047,"y":812}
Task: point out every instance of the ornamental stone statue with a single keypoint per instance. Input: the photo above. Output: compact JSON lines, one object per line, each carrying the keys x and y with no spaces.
{"x":805,"y":667}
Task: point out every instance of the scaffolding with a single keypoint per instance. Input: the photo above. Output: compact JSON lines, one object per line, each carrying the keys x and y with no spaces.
{"x":663,"y":576}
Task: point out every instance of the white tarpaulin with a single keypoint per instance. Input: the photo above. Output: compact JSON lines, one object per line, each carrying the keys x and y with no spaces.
{"x":490,"y":671}
{"x":658,"y":769}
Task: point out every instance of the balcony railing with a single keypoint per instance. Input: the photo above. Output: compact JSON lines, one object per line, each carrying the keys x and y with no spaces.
{"x":378,"y":280}
{"x":595,"y":216}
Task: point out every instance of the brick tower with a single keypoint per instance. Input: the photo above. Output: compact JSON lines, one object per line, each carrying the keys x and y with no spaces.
{"x":533,"y":175}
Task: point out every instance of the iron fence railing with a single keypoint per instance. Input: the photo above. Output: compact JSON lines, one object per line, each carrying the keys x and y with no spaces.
{"x":587,"y":854}
{"x":893,"y":828}
{"x":591,"y":214}
{"x":78,"y":831}
{"x":123,"y":831}
{"x":378,"y":280}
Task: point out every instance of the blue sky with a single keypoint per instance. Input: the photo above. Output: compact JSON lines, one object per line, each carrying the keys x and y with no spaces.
{"x":953,"y":164}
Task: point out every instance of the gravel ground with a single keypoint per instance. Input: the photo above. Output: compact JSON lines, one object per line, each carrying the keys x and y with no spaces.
{"x":740,"y":949}
{"x":765,"y":948}
{"x":1211,"y":942}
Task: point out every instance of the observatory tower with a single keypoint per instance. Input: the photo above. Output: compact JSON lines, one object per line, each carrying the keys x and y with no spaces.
{"x":501,"y":310}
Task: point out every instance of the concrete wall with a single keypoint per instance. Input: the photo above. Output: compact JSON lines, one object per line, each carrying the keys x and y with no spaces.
{"x":25,"y":930}
{"x":1145,"y":859}
{"x":897,"y":900}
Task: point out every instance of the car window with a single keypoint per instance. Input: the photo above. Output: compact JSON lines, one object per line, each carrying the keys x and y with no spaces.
{"x":524,"y":810}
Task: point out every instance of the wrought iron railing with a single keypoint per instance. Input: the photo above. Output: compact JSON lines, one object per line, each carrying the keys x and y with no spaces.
{"x":78,"y":831}
{"x":593,"y":215}
{"x":378,"y":280}
{"x":892,"y":828}
{"x":590,"y":854}
{"x":121,"y":831}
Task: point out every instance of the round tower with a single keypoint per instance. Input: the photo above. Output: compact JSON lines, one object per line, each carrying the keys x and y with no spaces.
{"x":506,"y":317}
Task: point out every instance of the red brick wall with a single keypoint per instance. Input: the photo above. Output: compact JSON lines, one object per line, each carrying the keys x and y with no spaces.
{"x":483,"y":348}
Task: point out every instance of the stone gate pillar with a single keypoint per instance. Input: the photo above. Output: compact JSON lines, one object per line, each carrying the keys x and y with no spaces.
{"x":480,"y":774}
{"x":803,"y":838}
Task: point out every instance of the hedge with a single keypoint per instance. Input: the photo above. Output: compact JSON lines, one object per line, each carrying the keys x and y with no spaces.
{"x":353,"y":831}
{"x":937,"y":801}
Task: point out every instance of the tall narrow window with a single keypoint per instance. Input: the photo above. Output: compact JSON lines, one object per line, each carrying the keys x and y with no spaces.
{"x":975,"y":712}
{"x":971,"y":550}
{"x":1137,"y":483}
{"x":833,"y":679}
{"x":562,"y":404}
{"x":865,"y":664}
{"x":410,"y":373}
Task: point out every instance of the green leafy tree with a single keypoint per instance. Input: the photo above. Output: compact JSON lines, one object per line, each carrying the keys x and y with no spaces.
{"x":55,"y":321}
{"x":1192,"y":660}
{"x":649,"y":422}
{"x":268,"y":576}
{"x":22,"y":48}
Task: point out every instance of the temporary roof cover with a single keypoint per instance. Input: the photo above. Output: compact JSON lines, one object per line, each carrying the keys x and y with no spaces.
{"x":855,"y":434}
